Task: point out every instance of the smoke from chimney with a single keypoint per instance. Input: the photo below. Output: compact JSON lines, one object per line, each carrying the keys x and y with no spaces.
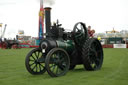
{"x":49,"y":2}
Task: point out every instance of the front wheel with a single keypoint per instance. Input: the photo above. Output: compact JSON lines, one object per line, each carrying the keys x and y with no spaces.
{"x":57,"y":62}
{"x":35,"y":62}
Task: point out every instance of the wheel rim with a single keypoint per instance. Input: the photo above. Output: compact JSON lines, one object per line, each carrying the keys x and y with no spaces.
{"x":57,"y":63}
{"x":35,"y":62}
{"x":96,"y":55}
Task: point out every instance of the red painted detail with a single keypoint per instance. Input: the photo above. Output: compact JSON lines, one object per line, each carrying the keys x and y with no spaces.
{"x":34,"y":46}
{"x":127,"y":45}
{"x":15,"y":46}
{"x":4,"y":45}
{"x":107,"y":46}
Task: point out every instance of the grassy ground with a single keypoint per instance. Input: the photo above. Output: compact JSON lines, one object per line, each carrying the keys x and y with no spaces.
{"x":113,"y":72}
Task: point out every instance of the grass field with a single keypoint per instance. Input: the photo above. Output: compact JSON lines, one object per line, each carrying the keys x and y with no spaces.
{"x":113,"y":72}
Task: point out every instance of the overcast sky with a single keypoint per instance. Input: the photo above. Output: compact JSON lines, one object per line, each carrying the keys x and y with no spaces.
{"x":102,"y":15}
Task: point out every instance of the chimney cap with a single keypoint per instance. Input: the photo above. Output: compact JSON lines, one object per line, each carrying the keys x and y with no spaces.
{"x":47,"y":8}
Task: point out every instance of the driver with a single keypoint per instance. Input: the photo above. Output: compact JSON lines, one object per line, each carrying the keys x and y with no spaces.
{"x":91,"y":32}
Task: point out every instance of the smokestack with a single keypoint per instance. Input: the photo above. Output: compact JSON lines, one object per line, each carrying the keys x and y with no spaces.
{"x":47,"y":19}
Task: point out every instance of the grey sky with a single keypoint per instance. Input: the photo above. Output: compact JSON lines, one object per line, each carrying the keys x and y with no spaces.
{"x":102,"y":15}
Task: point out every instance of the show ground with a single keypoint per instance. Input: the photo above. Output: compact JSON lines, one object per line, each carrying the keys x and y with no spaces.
{"x":113,"y":72}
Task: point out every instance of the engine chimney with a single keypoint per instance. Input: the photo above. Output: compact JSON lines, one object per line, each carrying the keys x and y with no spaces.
{"x":47,"y":19}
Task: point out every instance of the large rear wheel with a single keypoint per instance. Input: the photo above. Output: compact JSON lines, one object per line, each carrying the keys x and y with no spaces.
{"x":92,"y":54}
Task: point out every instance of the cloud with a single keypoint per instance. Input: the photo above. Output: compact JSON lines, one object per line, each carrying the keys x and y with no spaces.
{"x":9,"y":3}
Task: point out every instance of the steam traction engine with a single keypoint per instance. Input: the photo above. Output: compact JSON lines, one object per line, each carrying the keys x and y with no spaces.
{"x":61,"y":51}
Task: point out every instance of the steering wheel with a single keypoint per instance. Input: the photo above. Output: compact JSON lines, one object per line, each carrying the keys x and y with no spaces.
{"x":80,"y":33}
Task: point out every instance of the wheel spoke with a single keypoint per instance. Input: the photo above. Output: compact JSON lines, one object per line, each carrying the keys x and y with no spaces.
{"x":53,"y":68}
{"x":57,"y":70}
{"x":42,"y":65}
{"x":62,"y":60}
{"x":31,"y":64}
{"x":36,"y":55}
{"x":31,"y":60}
{"x":39,"y":67}
{"x":51,"y":65}
{"x":34,"y":67}
{"x":78,"y":29}
{"x":33,"y":57}
{"x":62,"y":67}
{"x":52,"y":59}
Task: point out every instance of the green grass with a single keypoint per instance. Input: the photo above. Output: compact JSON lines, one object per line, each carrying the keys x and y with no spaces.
{"x":113,"y":72}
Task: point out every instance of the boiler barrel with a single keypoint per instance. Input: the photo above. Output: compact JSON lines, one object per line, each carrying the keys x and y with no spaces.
{"x":68,"y":45}
{"x":48,"y":44}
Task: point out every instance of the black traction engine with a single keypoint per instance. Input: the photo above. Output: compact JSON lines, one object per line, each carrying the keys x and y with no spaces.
{"x":60,"y":51}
